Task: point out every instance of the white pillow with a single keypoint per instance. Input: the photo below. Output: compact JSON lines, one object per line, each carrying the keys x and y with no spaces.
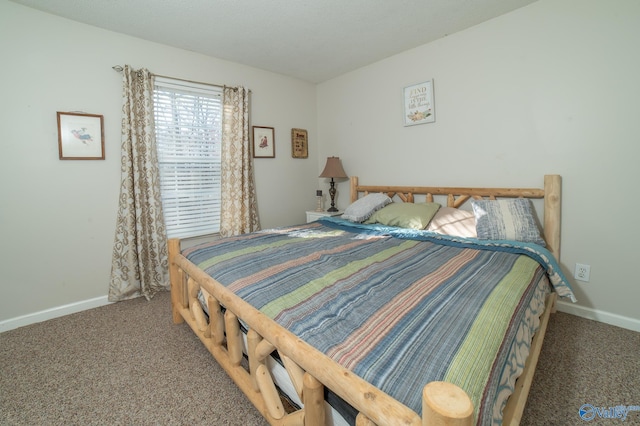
{"x":454,"y":222}
{"x":361,"y":209}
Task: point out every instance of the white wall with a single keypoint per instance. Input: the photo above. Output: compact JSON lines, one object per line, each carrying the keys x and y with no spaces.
{"x":550,"y":88}
{"x":57,"y":218}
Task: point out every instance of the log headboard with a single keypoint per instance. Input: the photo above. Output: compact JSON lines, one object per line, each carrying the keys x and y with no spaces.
{"x":456,"y":197}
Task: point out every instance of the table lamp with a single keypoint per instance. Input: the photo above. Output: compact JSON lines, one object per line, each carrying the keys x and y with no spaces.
{"x":333,"y":169}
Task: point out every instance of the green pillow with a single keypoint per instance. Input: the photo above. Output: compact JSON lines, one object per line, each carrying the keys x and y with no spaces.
{"x":405,"y":215}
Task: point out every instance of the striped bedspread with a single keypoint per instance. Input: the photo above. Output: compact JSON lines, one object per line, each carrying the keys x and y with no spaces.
{"x":398,"y":310}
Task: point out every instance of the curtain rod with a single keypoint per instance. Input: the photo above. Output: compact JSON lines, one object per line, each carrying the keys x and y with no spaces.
{"x":119,"y":68}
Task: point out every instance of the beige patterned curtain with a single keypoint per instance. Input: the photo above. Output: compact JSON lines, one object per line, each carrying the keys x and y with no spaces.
{"x":239,"y":207}
{"x":139,"y":265}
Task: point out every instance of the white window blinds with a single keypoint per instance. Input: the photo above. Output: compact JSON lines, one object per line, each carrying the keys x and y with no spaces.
{"x":188,"y":124}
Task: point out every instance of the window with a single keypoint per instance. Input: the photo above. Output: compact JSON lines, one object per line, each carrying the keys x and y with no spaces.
{"x":188,"y":124}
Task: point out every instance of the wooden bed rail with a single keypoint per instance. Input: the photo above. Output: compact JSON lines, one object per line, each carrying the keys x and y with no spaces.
{"x":309,"y":369}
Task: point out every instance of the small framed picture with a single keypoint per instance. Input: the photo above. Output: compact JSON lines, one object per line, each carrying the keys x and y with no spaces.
{"x":418,"y":104}
{"x":80,"y":136}
{"x":299,"y":143}
{"x":264,"y":145}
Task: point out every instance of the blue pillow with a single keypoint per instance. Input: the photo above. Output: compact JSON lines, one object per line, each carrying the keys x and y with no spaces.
{"x":506,"y":220}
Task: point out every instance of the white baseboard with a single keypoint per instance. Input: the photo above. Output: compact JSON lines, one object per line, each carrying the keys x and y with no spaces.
{"x":596,"y":315}
{"x":56,"y":312}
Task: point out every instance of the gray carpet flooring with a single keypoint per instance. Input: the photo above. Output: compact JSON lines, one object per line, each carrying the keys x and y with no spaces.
{"x":128,"y":364}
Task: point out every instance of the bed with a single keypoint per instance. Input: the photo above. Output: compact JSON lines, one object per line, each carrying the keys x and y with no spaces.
{"x":400,"y":324}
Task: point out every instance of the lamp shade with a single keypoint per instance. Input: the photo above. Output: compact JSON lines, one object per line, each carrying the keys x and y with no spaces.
{"x":333,"y":169}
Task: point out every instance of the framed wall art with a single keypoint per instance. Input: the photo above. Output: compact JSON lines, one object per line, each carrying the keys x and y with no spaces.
{"x":299,"y":143}
{"x":418,"y":104}
{"x":80,"y":136}
{"x":264,"y":145}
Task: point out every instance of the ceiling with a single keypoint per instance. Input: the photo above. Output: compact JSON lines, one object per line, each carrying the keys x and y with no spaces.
{"x":310,"y":40}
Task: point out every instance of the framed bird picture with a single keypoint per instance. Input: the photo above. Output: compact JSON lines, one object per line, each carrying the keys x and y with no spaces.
{"x":80,"y":136}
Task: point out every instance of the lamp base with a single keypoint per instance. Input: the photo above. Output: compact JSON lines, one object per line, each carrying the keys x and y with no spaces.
{"x":332,"y":194}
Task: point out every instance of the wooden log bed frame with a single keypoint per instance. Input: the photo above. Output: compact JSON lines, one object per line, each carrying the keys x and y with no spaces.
{"x":310,"y":370}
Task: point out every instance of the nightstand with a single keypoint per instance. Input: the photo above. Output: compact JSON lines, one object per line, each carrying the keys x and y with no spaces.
{"x":314,"y":215}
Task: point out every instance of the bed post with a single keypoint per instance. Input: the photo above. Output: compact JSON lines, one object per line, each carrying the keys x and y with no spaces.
{"x":445,"y":404}
{"x":552,"y":213}
{"x":177,"y":283}
{"x":354,"y":188}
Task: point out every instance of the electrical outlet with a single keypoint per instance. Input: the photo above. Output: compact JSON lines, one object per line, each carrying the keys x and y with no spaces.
{"x":582,"y":272}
